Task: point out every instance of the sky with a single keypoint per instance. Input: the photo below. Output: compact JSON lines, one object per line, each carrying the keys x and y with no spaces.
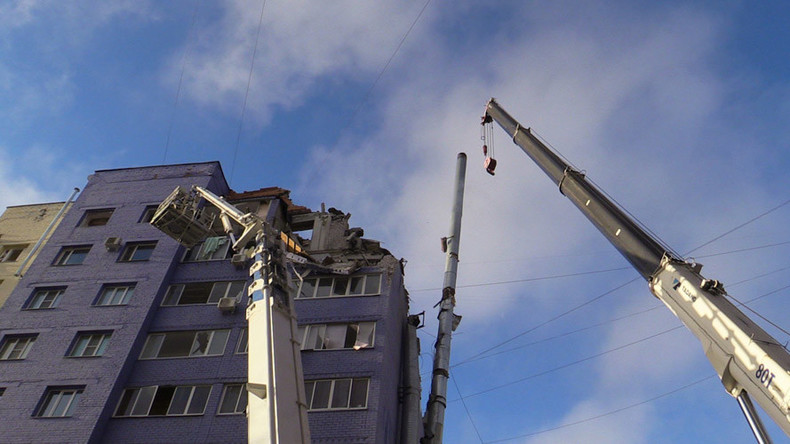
{"x":677,"y":109}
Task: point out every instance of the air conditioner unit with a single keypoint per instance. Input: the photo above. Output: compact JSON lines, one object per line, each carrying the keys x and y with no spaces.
{"x":227,"y":305}
{"x":112,"y":243}
{"x":239,"y":260}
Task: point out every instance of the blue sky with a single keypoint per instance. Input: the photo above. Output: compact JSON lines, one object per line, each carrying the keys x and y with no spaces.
{"x":677,"y":109}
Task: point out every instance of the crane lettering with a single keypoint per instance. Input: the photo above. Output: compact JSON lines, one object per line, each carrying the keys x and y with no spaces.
{"x":764,"y":375}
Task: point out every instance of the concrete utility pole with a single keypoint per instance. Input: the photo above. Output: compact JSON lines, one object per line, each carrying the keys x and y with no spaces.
{"x":448,"y":321}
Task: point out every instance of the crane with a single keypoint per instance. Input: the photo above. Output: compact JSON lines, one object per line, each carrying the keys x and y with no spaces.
{"x":277,"y":412}
{"x":749,"y":362}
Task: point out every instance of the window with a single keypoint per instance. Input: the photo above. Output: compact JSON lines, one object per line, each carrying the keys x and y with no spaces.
{"x":164,"y":400}
{"x":181,"y":344}
{"x":202,"y":292}
{"x":212,"y":249}
{"x":137,"y":251}
{"x":95,"y":218}
{"x":337,"y":394}
{"x":72,"y":255}
{"x":338,"y":286}
{"x":16,"y":347}
{"x":116,"y":294}
{"x":337,"y":336}
{"x":89,"y":344}
{"x":243,"y":344}
{"x":10,"y":253}
{"x":234,"y":399}
{"x":148,"y":214}
{"x":59,"y":402}
{"x":44,"y":298}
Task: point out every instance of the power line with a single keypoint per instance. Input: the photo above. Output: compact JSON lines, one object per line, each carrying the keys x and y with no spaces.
{"x":565,"y":313}
{"x":468,"y":413}
{"x":569,"y":364}
{"x":247,"y":92}
{"x":765,"y":213}
{"x":609,"y":413}
{"x":180,"y":80}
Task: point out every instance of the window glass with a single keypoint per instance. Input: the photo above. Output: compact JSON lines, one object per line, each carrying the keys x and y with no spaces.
{"x":137,"y":252}
{"x":59,"y":403}
{"x":321,"y":394}
{"x":199,"y":398}
{"x":144,"y":399}
{"x":335,"y":336}
{"x":308,"y":391}
{"x":45,"y":298}
{"x":324,"y":287}
{"x":372,"y":284}
{"x":242,"y":347}
{"x":95,"y":218}
{"x":72,"y":255}
{"x":180,"y":400}
{"x":90,"y":344}
{"x":307,"y":288}
{"x":176,"y":344}
{"x":340,"y":393}
{"x":218,"y":341}
{"x":359,"y":393}
{"x":16,"y":347}
{"x":357,"y":285}
{"x":341,"y":285}
{"x":10,"y":253}
{"x":115,"y":294}
{"x":181,"y":344}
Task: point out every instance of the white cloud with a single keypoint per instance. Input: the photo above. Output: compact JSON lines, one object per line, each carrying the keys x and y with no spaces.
{"x":302,"y":43}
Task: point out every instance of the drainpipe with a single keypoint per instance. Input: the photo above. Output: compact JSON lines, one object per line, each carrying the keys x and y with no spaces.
{"x":46,"y":233}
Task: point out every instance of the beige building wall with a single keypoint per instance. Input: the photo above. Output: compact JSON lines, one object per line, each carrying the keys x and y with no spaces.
{"x":20,"y":228}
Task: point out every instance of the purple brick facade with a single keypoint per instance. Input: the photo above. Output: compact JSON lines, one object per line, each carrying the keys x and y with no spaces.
{"x":101,"y":380}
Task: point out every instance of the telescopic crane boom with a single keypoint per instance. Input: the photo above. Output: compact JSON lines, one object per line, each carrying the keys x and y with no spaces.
{"x":747,"y":359}
{"x":276,"y":408}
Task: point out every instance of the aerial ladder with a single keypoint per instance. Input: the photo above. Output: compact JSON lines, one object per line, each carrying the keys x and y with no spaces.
{"x":276,"y":408}
{"x":749,"y":362}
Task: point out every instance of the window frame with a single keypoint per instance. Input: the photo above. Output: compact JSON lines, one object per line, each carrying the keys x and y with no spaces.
{"x":131,"y":248}
{"x":148,"y":214}
{"x":153,"y":345}
{"x":34,"y":303}
{"x":243,"y":339}
{"x":320,"y":289}
{"x":316,"y":332}
{"x":67,"y":252}
{"x":11,"y":252}
{"x":46,"y":406}
{"x":6,"y":350}
{"x":98,"y":349}
{"x":330,"y":396}
{"x":89,"y":217}
{"x":175,"y":292}
{"x":192,"y":255}
{"x":242,"y":394}
{"x":106,"y":288}
{"x":133,"y":397}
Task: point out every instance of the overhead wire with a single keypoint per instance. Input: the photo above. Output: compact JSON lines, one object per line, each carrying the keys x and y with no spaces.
{"x":349,"y":121}
{"x":247,"y":92}
{"x":609,"y":413}
{"x":590,"y":301}
{"x":180,"y":80}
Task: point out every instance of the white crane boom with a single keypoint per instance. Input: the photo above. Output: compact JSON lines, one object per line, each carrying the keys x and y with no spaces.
{"x":747,"y":359}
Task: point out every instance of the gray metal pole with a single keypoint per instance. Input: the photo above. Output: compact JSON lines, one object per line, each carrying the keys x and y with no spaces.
{"x":448,"y":321}
{"x":760,"y":434}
